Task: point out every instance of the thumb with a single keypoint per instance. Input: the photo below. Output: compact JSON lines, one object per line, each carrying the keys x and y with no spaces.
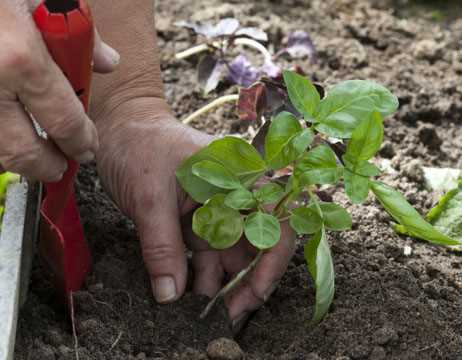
{"x":163,"y":252}
{"x":105,"y":58}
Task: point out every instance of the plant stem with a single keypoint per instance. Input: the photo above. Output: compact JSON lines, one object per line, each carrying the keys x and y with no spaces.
{"x":232,"y":284}
{"x":315,"y":199}
{"x":192,"y":51}
{"x":254,"y":44}
{"x":215,"y":103}
{"x":219,"y":45}
{"x":277,"y":211}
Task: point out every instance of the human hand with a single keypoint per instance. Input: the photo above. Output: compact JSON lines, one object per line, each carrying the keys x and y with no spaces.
{"x":30,"y":79}
{"x":141,"y":148}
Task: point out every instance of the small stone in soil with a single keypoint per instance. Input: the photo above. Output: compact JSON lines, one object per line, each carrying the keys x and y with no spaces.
{"x":64,"y":350}
{"x":43,"y":352}
{"x":429,"y":137}
{"x":384,"y":335}
{"x":387,"y":150}
{"x":224,"y":349}
{"x":359,"y":352}
{"x":413,"y":170}
{"x":378,"y":353}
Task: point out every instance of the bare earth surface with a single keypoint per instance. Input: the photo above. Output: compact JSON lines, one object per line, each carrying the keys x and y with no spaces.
{"x":387,"y":305}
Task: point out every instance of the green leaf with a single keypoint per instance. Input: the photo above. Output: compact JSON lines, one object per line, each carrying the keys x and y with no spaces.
{"x":446,"y":216}
{"x":363,"y":168}
{"x":335,"y":217}
{"x":349,"y":102}
{"x":302,"y":93}
{"x":366,"y":139}
{"x":356,"y":186}
{"x":305,"y":220}
{"x":262,"y":230}
{"x":216,"y":174}
{"x":301,"y":141}
{"x":398,"y":207}
{"x":235,"y":154}
{"x":269,"y":193}
{"x":319,"y":166}
{"x":241,"y":199}
{"x":321,"y":268}
{"x":283,"y":129}
{"x":217,"y":223}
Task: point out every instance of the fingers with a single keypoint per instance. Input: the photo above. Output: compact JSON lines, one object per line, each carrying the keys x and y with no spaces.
{"x":29,"y":75}
{"x":105,"y":57}
{"x":264,"y":279}
{"x":23,"y":152}
{"x":208,"y":273}
{"x":49,"y":97}
{"x":209,"y":265}
{"x":163,"y":250}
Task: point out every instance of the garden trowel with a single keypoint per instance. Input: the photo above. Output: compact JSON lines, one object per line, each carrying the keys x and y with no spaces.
{"x":67,"y":29}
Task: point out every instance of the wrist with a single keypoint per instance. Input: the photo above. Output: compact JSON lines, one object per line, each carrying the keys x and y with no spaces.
{"x":144,"y":116}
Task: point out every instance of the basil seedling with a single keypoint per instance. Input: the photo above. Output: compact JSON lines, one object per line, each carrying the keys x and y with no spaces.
{"x":299,"y":143}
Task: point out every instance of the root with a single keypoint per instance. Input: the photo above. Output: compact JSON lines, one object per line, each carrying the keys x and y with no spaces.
{"x":74,"y":330}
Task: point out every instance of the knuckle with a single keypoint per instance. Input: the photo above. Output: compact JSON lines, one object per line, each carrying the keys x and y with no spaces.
{"x":21,"y":157}
{"x":67,"y":125}
{"x":156,"y":253}
{"x":20,"y":61}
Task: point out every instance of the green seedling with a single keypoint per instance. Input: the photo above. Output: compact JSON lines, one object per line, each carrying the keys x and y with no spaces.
{"x":325,"y":141}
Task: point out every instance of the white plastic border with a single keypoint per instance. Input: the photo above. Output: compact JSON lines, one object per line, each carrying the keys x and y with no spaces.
{"x":11,"y":253}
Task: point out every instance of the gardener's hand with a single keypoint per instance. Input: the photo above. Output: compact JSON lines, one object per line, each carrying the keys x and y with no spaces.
{"x":141,"y":147}
{"x":30,"y":79}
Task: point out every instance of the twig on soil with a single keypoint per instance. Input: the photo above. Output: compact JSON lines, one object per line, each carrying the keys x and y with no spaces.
{"x":232,"y":284}
{"x":74,"y":330}
{"x":209,"y":107}
{"x":114,"y":344}
{"x":435,"y":346}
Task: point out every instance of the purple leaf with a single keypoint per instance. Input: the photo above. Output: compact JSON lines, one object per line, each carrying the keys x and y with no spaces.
{"x":254,"y":33}
{"x":251,"y":102}
{"x":209,"y":71}
{"x":276,"y":97}
{"x":242,"y":72}
{"x":225,"y":27}
{"x":258,"y":142}
{"x":299,"y":45}
{"x":271,"y":69}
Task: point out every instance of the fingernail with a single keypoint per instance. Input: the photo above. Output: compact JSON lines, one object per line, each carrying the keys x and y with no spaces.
{"x":238,"y":323}
{"x":164,"y":289}
{"x":112,"y":54}
{"x":270,"y":291}
{"x":86,"y":157}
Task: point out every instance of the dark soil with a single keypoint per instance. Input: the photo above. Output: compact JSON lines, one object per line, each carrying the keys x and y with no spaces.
{"x":387,"y":305}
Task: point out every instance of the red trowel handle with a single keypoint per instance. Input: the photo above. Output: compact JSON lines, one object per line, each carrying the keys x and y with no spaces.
{"x":67,"y":29}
